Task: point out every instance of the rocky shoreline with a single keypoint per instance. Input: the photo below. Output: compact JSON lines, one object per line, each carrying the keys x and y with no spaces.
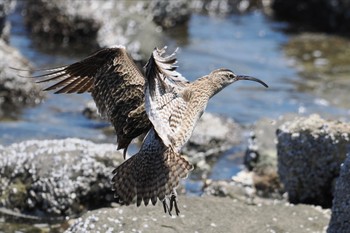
{"x":76,"y":176}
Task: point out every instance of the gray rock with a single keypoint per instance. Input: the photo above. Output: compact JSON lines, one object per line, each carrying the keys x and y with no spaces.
{"x":169,"y":13}
{"x":53,"y":178}
{"x":262,"y":144}
{"x":241,"y":188}
{"x":323,"y":15}
{"x":261,"y":156}
{"x":341,"y":206}
{"x":310,"y":151}
{"x":15,"y":91}
{"x":245,"y":186}
{"x":205,"y":214}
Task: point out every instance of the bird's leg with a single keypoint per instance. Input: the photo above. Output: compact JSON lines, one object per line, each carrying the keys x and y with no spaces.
{"x":166,"y":206}
{"x":169,"y":203}
{"x":174,"y":203}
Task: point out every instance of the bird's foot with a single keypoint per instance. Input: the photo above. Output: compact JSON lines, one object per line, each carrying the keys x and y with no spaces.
{"x":170,"y":203}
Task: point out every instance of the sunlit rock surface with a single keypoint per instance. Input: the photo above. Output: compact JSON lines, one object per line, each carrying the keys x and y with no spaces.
{"x":205,"y":214}
{"x":341,"y":206}
{"x":52,"y":178}
{"x":310,"y":151}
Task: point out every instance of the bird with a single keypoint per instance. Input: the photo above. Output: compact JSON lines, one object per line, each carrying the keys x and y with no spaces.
{"x":159,"y":102}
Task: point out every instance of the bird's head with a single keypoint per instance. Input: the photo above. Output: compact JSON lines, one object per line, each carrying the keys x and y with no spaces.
{"x":226,"y":77}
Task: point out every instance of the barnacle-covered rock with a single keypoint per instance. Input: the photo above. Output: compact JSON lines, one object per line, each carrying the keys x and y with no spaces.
{"x":341,"y":205}
{"x":52,"y":178}
{"x":310,"y":151}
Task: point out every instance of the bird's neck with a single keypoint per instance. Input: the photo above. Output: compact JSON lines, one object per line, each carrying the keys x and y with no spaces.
{"x":211,"y":84}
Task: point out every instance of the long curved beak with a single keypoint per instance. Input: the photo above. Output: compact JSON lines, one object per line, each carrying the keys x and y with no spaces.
{"x":244,"y":77}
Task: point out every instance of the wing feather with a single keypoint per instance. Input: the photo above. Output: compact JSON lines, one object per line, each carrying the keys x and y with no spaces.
{"x":165,"y":105}
{"x":116,"y":85}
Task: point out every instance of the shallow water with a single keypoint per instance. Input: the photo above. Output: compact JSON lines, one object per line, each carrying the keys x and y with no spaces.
{"x":249,"y":44}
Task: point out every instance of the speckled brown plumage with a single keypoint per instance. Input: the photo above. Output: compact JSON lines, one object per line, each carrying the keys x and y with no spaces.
{"x":151,"y":174}
{"x":116,"y":85}
{"x":175,"y":107}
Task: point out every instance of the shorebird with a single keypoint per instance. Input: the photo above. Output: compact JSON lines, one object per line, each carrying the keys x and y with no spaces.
{"x":160,"y":102}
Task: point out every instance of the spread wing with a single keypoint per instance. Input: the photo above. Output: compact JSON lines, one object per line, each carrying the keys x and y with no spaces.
{"x":166,"y":98}
{"x":116,"y":85}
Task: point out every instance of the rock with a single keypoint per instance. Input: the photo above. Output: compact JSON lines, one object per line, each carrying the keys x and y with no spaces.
{"x":105,"y":23}
{"x":322,"y":15}
{"x":212,"y":136}
{"x":245,"y":187}
{"x":169,"y":13}
{"x":15,"y":91}
{"x":54,"y":178}
{"x":6,"y":7}
{"x":310,"y":151}
{"x":262,"y":144}
{"x":205,"y":214}
{"x":341,"y":206}
{"x":224,"y":7}
{"x":62,"y":23}
{"x":240,"y":188}
{"x":90,"y":111}
{"x":261,"y":156}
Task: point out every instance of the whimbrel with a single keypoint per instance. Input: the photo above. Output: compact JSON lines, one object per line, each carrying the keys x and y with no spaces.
{"x":161,"y":102}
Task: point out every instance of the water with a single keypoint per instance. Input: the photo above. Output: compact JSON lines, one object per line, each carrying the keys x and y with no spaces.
{"x":249,"y":44}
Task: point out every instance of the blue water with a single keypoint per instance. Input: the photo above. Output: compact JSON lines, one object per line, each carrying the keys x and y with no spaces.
{"x":249,"y":44}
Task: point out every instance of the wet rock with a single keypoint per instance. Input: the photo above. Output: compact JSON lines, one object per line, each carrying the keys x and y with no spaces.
{"x":341,"y":206}
{"x":15,"y":92}
{"x":310,"y":151}
{"x":105,"y":23}
{"x":53,"y":178}
{"x":205,"y":214}
{"x":322,"y":15}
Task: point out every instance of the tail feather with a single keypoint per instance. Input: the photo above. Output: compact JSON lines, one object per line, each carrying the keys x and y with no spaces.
{"x":149,"y":176}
